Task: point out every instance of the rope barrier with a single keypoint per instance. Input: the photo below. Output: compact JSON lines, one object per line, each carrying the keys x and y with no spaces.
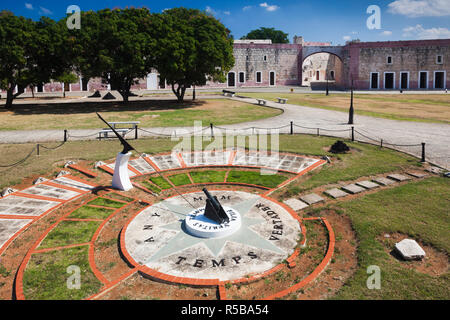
{"x":53,"y":148}
{"x":19,"y":162}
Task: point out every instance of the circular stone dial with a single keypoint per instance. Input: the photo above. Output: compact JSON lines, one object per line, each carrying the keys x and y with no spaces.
{"x":158,"y":239}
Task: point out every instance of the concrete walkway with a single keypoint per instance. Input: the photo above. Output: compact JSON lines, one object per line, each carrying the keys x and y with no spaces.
{"x":402,"y":133}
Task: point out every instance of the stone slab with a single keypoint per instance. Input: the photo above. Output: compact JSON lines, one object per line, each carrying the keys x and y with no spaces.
{"x":336,"y":193}
{"x":312,"y":199}
{"x":66,"y":181}
{"x":399,"y":177}
{"x":9,"y":227}
{"x":410,"y":250}
{"x":296,"y":204}
{"x":384,"y":181}
{"x":368,"y":184}
{"x":417,"y":174}
{"x":22,"y":206}
{"x":353,"y":189}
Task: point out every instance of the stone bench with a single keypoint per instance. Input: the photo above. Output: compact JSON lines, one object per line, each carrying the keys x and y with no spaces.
{"x":282,"y":100}
{"x":229,"y":93}
{"x":262,"y":102}
{"x":105,"y":133}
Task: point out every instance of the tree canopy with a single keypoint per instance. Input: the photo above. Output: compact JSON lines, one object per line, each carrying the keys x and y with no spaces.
{"x":31,"y":53}
{"x":194,"y":47}
{"x":277,"y":36}
{"x":188,"y":47}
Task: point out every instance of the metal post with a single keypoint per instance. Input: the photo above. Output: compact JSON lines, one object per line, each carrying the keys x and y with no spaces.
{"x":353,"y":134}
{"x":318,"y":132}
{"x":292,"y":128}
{"x":423,"y":152}
{"x":65,"y":135}
{"x":136,"y":132}
{"x":381,"y":143}
{"x":352,"y":110}
{"x":37,"y":149}
{"x":212,"y":130}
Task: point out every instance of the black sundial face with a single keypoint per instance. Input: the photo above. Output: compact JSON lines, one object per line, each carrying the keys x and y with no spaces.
{"x":158,"y":238}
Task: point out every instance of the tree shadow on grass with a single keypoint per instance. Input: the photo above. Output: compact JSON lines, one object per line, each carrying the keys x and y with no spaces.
{"x":87,"y":107}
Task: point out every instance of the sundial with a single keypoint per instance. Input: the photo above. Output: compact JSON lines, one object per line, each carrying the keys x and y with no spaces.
{"x":178,"y":240}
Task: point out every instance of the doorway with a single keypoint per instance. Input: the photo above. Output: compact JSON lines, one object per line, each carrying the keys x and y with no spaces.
{"x":404,"y":80}
{"x":231,"y":79}
{"x":272,"y":78}
{"x":423,"y":80}
{"x":389,"y":80}
{"x":374,"y":81}
{"x":439,"y":80}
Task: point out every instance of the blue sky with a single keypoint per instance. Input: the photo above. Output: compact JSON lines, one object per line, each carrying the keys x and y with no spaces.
{"x":319,"y":20}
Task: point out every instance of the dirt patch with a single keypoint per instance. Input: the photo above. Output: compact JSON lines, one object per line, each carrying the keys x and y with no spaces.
{"x":434,"y":264}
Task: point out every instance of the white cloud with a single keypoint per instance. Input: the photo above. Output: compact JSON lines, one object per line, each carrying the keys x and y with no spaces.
{"x":246,"y":8}
{"x":420,"y":8}
{"x":45,"y":11}
{"x":29,"y":6}
{"x":211,"y":10}
{"x":268,"y":7}
{"x":227,"y":13}
{"x":347,"y":38}
{"x":386,"y":33}
{"x":419,"y":32}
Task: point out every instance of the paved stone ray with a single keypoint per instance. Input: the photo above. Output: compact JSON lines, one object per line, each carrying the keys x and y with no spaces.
{"x":22,"y":206}
{"x":51,"y":192}
{"x":66,"y":181}
{"x":9,"y":228}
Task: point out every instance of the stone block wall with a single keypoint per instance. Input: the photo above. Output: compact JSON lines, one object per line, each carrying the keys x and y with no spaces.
{"x":405,"y":57}
{"x":282,"y":59}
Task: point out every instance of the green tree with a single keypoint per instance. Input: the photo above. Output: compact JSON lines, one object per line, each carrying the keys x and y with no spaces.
{"x":277,"y":36}
{"x":31,"y":53}
{"x":67,"y":77}
{"x":115,"y":45}
{"x":193,"y":48}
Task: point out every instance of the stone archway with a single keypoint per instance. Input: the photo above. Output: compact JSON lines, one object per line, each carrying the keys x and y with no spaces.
{"x":320,"y":66}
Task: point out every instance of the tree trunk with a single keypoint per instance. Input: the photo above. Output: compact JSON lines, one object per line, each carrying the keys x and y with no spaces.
{"x":179,"y":92}
{"x":9,"y":98}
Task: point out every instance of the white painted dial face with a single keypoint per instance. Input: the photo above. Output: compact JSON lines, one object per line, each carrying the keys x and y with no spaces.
{"x":158,"y":238}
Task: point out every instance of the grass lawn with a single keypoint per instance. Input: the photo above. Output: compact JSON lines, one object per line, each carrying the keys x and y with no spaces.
{"x":149,"y":113}
{"x":419,"y":210}
{"x":255,"y":177}
{"x":161,"y":182}
{"x":368,"y":160}
{"x":180,"y":179}
{"x":150,"y":186}
{"x":420,"y":107}
{"x":365,"y":160}
{"x":87,"y":212}
{"x":208,"y":176}
{"x":117,"y":196}
{"x":107,"y":203}
{"x":46,"y":276}
{"x":70,"y":232}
